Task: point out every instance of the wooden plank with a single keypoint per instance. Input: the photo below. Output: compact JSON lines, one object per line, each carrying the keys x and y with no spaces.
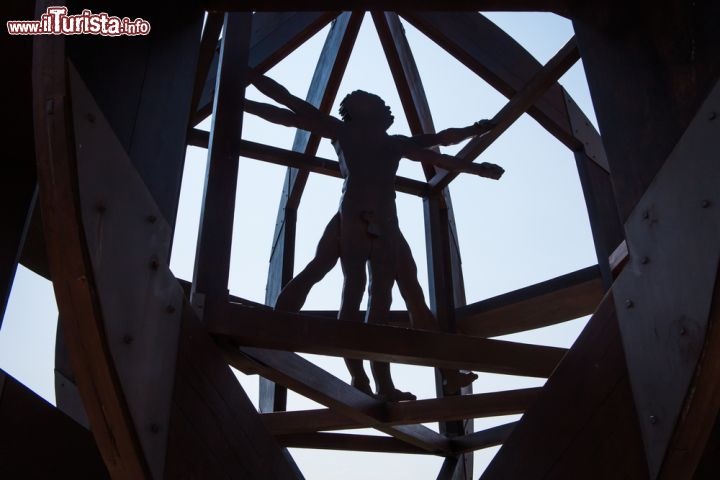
{"x":38,"y":441}
{"x":78,"y":304}
{"x":490,"y":437}
{"x":323,"y":89}
{"x":558,"y":6}
{"x":215,"y":431}
{"x":348,"y":441}
{"x":274,"y":36}
{"x":553,"y":301}
{"x":518,"y":104}
{"x":212,"y":258}
{"x":207,"y":55}
{"x":665,"y":294}
{"x":646,"y":85}
{"x":289,"y":331}
{"x":315,"y":383}
{"x":289,"y":158}
{"x":570,"y":417}
{"x":419,"y":411}
{"x":128,"y":243}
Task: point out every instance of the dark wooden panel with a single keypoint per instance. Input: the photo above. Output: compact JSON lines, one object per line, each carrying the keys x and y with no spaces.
{"x":315,"y":383}
{"x":519,"y":103}
{"x":18,"y":181}
{"x":212,"y":258}
{"x":557,"y":300}
{"x":648,"y":71}
{"x":70,"y":266}
{"x":294,"y":332}
{"x":664,"y":294}
{"x":418,"y":411}
{"x":570,"y":417}
{"x":144,"y":88}
{"x":215,"y":431}
{"x":128,"y":242}
{"x":273,"y":37}
{"x":38,"y":441}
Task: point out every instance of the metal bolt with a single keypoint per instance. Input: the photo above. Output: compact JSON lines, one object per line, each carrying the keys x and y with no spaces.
{"x":683,"y":331}
{"x":170,"y":309}
{"x":151,"y":218}
{"x":705,"y":203}
{"x":644,"y":260}
{"x":713,"y":116}
{"x":154,"y":264}
{"x":629,"y":303}
{"x":154,"y":428}
{"x":653,"y":419}
{"x":127,"y":339}
{"x":645,"y":215}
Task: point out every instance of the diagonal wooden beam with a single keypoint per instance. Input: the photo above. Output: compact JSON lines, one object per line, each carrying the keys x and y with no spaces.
{"x":274,"y":36}
{"x":207,"y":55}
{"x":348,"y":441}
{"x":294,"y":332}
{"x":557,"y":300}
{"x":519,"y":104}
{"x":483,"y":439}
{"x":419,"y":411}
{"x":307,"y":379}
{"x":496,"y":57}
{"x":289,"y":158}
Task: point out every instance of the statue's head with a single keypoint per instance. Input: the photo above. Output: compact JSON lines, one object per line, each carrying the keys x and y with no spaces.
{"x":367,"y":109}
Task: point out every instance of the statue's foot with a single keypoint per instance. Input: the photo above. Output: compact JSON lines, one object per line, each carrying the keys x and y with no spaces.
{"x":395,"y":395}
{"x":363,"y":386}
{"x":455,"y":380}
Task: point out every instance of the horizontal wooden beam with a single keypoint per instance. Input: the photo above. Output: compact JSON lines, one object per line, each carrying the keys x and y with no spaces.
{"x":348,"y":441}
{"x":554,"y":301}
{"x":311,"y":381}
{"x":518,"y":104}
{"x":420,"y":411}
{"x":289,"y":158}
{"x":266,"y":328}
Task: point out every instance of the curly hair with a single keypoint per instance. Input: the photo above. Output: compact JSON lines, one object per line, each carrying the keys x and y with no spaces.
{"x":354,"y":101}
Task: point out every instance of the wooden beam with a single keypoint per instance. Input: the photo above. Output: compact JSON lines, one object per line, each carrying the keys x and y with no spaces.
{"x":274,"y":36}
{"x":289,"y":158}
{"x":212,"y":258}
{"x":554,"y":301}
{"x":495,"y":56}
{"x":207,"y":55}
{"x":483,"y":439}
{"x":518,"y":104}
{"x":307,"y":379}
{"x":295,"y":332}
{"x":348,"y":441}
{"x":404,"y":413}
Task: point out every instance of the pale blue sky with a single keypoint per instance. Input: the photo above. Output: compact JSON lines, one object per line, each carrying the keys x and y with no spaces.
{"x":530,"y":226}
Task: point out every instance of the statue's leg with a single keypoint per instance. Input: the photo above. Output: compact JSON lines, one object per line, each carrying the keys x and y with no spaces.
{"x":355,"y":248}
{"x":293,"y":295}
{"x":420,"y":315}
{"x":382,"y":277}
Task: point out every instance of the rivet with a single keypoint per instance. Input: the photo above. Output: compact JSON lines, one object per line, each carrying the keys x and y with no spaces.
{"x":170,"y":309}
{"x":154,"y":428}
{"x":645,"y":215}
{"x":151,"y":218}
{"x":683,"y":331}
{"x":653,"y":419}
{"x":154,"y":264}
{"x":705,"y":203}
{"x":644,"y":260}
{"x":127,"y":339}
{"x":90,"y":117}
{"x":629,"y":303}
{"x":713,"y":116}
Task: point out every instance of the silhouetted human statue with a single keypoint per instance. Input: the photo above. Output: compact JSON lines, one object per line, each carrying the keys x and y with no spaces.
{"x":369,"y":231}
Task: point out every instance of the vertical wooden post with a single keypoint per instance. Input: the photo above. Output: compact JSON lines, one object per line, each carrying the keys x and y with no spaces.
{"x":212,"y":259}
{"x":323,"y":89}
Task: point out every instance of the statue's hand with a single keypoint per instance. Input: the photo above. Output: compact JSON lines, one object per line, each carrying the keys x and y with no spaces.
{"x":487,"y":170}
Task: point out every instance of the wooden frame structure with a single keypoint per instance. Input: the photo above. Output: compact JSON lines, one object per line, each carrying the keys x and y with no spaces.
{"x":142,"y":358}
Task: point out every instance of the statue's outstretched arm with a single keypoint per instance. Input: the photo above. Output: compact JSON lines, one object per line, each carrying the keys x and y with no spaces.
{"x":410,"y":151}
{"x":451,"y":136}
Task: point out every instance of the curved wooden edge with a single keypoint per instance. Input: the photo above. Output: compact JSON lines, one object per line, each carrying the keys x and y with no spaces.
{"x":72,"y":277}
